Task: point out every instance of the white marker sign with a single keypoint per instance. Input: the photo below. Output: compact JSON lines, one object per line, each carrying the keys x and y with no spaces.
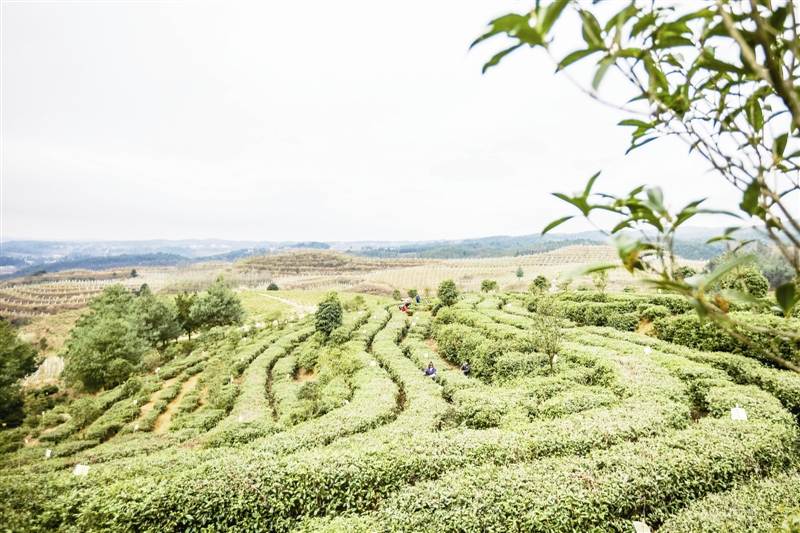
{"x":241,"y":418}
{"x":555,"y":358}
{"x":647,"y":350}
{"x":81,"y":470}
{"x":372,"y":363}
{"x":738,"y":413}
{"x":47,"y":453}
{"x":641,"y":527}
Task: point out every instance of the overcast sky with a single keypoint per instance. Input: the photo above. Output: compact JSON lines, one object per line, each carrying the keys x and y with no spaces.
{"x":299,"y":121}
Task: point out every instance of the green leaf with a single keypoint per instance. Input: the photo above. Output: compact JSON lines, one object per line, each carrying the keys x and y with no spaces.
{"x":742,"y":297}
{"x":622,"y":17}
{"x":780,"y":146}
{"x":592,"y":33}
{"x":754,"y":114}
{"x":750,"y":198}
{"x":656,"y":197}
{"x":603,"y":67}
{"x":575,"y":56}
{"x":497,"y":57}
{"x":786,"y":296}
{"x":724,"y":268}
{"x":585,"y":269}
{"x":516,"y":26}
{"x":552,"y":12}
{"x":555,"y":223}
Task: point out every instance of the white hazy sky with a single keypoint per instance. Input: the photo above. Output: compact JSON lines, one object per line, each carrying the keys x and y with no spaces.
{"x":299,"y":121}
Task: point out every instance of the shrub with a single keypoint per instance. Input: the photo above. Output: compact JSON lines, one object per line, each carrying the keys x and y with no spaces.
{"x":654,"y":312}
{"x":339,"y":336}
{"x":84,"y":411}
{"x":624,"y":321}
{"x":489,"y":285}
{"x":687,"y":330}
{"x":629,"y":289}
{"x":272,"y":286}
{"x":329,"y":314}
{"x":539,"y":284}
{"x":683,"y":272}
{"x":447,"y":292}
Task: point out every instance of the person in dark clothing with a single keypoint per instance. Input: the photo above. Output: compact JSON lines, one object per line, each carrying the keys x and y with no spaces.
{"x":465,"y":368}
{"x":418,"y":298}
{"x":430,"y":371}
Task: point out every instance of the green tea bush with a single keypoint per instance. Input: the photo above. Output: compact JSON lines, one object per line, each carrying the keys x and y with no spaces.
{"x":624,"y":321}
{"x":609,"y":436}
{"x":687,"y":330}
{"x":11,"y":439}
{"x":576,"y":400}
{"x":760,"y":505}
{"x":655,"y":312}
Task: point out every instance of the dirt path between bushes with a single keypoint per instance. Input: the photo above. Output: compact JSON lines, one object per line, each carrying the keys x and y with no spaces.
{"x":162,"y":422}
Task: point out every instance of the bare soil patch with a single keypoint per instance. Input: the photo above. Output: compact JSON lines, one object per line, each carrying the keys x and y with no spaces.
{"x":162,"y":421}
{"x":304,"y":375}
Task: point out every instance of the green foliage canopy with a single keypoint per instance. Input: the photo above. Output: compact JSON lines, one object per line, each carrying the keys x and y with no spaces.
{"x":488,"y":285}
{"x":448,"y":292}
{"x":539,"y":284}
{"x":220,"y":307}
{"x":329,"y":314}
{"x":17,"y":360}
{"x":107,"y":344}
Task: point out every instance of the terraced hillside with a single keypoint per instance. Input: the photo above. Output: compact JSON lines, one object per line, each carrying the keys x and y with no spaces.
{"x":278,"y":430}
{"x":329,"y":270}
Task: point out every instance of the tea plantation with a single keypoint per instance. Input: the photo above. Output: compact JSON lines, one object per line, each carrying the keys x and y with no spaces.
{"x":280,"y":429}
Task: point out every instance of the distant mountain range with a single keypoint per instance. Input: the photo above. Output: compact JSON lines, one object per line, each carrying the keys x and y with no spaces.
{"x":26,"y":256}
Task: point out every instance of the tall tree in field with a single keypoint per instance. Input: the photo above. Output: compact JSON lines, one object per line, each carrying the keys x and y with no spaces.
{"x":17,"y":360}
{"x":488,"y":285}
{"x":220,"y":307}
{"x":722,"y":76}
{"x":159,"y":323}
{"x":447,"y":292}
{"x":183,"y":313}
{"x":539,"y":284}
{"x":600,"y":280}
{"x":107,"y":344}
{"x":520,"y":273}
{"x":548,"y":328}
{"x":329,"y":314}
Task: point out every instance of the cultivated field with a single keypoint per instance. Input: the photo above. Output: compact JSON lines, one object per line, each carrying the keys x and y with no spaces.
{"x":272,"y":429}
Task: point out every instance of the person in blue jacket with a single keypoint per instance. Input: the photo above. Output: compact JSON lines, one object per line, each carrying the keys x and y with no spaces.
{"x":430,"y":371}
{"x":465,"y":368}
{"x":418,"y":298}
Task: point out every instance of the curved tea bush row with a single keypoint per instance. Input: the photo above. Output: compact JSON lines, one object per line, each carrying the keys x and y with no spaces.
{"x":614,"y":434}
{"x":252,"y":416}
{"x":648,"y":480}
{"x":785,"y":386}
{"x":756,"y":506}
